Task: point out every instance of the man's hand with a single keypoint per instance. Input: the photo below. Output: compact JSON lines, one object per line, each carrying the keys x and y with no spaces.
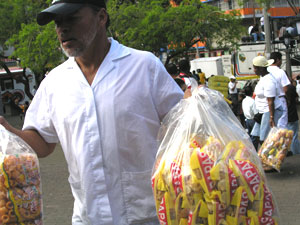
{"x":5,"y":124}
{"x":272,"y":123}
{"x":31,"y":137}
{"x":187,"y":93}
{"x":3,"y":121}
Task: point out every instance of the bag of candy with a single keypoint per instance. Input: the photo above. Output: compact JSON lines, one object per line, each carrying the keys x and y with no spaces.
{"x":207,"y":171}
{"x":20,"y":183}
{"x":275,"y":148}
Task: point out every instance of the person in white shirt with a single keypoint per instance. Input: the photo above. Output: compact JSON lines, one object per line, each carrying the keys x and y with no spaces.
{"x":249,"y":110}
{"x":283,"y":81}
{"x":185,"y":74}
{"x":104,"y":105}
{"x":262,"y":23}
{"x":233,"y":94}
{"x":266,"y":98}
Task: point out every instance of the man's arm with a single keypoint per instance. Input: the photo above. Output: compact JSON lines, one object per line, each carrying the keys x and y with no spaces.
{"x":232,"y":85}
{"x":31,"y":137}
{"x":285,"y":88}
{"x":271,"y":110}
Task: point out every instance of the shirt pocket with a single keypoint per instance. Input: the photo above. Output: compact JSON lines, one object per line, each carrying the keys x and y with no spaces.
{"x":138,"y":197}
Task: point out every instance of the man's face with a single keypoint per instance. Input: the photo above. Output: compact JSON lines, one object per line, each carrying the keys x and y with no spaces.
{"x":77,"y":31}
{"x":279,"y":62}
{"x":258,"y":70}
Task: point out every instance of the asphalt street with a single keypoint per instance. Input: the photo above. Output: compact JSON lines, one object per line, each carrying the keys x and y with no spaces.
{"x":58,"y":200}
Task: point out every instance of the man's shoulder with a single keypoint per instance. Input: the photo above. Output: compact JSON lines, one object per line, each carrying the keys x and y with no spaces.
{"x":57,"y":71}
{"x":141,"y":54}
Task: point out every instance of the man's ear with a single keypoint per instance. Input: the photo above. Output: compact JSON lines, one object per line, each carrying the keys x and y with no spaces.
{"x":102,"y":16}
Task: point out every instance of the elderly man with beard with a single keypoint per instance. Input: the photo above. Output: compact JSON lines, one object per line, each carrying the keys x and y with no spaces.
{"x":104,"y":105}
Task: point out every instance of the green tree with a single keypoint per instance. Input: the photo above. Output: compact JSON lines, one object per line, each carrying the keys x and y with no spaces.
{"x":152,"y":25}
{"x":35,"y":47}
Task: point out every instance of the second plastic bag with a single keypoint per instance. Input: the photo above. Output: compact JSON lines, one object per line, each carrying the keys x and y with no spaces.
{"x":20,"y":182}
{"x":207,"y":171}
{"x":275,"y":148}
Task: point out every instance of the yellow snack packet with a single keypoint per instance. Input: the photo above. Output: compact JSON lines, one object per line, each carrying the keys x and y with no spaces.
{"x":225,"y":182}
{"x":159,"y":187}
{"x":247,"y":175}
{"x":182,"y":209}
{"x":236,"y":213}
{"x":213,"y":148}
{"x":263,"y":206}
{"x":235,"y":150}
{"x":216,"y":211}
{"x":166,"y":211}
{"x":201,"y":165}
{"x":199,"y":215}
{"x":192,"y":189}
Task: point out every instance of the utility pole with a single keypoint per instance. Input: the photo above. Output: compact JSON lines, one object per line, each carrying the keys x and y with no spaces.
{"x":288,"y":62}
{"x":267,"y":31}
{"x":1,"y":105}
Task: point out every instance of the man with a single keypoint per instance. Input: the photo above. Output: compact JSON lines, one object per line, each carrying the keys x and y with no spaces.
{"x":104,"y":105}
{"x":283,"y":81}
{"x":172,"y":70}
{"x":266,"y":98}
{"x":293,"y":119}
{"x":256,"y":34}
{"x":233,"y":94}
{"x":249,"y":110}
{"x":185,"y":74}
{"x":201,"y":76}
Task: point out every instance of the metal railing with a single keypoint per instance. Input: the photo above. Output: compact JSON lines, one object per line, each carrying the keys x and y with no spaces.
{"x":224,"y":5}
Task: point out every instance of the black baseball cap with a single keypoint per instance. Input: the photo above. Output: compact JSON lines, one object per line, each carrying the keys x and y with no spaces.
{"x":65,"y":7}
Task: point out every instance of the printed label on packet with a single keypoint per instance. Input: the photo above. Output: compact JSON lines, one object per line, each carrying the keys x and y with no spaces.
{"x":240,"y":200}
{"x":162,"y":212}
{"x":267,"y":208}
{"x":216,"y":213}
{"x":263,"y":221}
{"x":166,"y":211}
{"x":250,"y":176}
{"x":232,"y":182}
{"x":206,"y":165}
{"x":176,"y":178}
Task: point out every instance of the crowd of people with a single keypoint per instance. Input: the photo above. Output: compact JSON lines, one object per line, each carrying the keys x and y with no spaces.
{"x":272,"y":101}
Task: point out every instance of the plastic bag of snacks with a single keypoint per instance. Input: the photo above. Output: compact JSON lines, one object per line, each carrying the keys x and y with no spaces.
{"x":275,"y":147}
{"x":20,"y":183}
{"x":207,"y":171}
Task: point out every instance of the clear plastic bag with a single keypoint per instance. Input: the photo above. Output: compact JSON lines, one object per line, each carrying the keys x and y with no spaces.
{"x":207,"y":170}
{"x":275,"y":148}
{"x":20,"y":183}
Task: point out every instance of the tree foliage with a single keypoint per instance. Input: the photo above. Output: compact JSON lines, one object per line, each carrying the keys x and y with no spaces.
{"x":153,"y":25}
{"x":35,"y":47}
{"x":146,"y":24}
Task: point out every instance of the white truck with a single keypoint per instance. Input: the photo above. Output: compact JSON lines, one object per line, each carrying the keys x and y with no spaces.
{"x":10,"y":88}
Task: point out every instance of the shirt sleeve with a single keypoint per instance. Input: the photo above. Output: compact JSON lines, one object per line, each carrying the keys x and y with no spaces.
{"x":284,"y":79}
{"x":37,"y":116}
{"x":165,"y":91}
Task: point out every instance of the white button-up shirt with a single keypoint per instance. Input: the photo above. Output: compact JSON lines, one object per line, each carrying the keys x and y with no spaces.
{"x":107,"y":131}
{"x":281,"y":78}
{"x":248,"y":106}
{"x":266,"y":88}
